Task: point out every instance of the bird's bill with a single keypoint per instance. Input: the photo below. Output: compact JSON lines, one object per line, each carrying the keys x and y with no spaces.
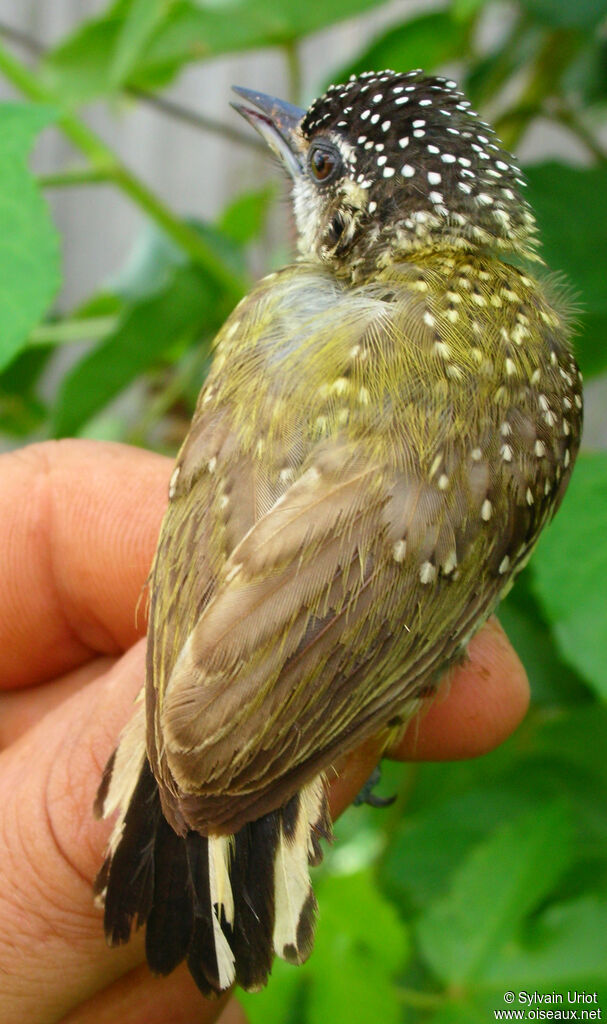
{"x":277,"y":122}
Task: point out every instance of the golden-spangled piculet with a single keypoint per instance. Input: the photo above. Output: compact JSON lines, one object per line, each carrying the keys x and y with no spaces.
{"x":386,"y":427}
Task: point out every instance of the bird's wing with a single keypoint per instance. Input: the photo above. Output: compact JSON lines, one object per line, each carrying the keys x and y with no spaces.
{"x":337,"y":605}
{"x":296,"y":611}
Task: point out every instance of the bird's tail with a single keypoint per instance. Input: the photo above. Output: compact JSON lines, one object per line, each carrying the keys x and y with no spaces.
{"x":225,"y":904}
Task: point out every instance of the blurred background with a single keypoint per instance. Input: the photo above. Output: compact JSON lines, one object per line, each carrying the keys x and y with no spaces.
{"x":135,"y":209}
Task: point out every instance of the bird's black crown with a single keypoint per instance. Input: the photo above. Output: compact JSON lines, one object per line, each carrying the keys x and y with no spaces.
{"x":430,"y":165}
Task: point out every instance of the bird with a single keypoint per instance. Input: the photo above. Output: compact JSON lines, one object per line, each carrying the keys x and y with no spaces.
{"x":387,"y":425}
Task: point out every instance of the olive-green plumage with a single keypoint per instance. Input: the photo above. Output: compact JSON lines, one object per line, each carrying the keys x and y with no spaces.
{"x":387,"y":426}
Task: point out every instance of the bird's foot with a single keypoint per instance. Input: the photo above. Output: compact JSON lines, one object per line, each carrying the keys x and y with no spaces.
{"x":367,"y":796}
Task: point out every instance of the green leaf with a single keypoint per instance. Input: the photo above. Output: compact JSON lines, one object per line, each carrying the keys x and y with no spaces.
{"x":244,"y":219}
{"x":553,"y":681}
{"x":161,"y":302}
{"x":21,"y":411}
{"x":579,"y":738}
{"x":154,"y":258}
{"x":135,"y":32}
{"x":560,"y":753}
{"x":485,"y":75}
{"x":193,"y":32}
{"x":29,"y":246}
{"x":570,"y":572}
{"x":566,"y":949}
{"x":562,"y":953}
{"x":294,"y":20}
{"x":280,"y":1002}
{"x":590,"y":331}
{"x":360,"y":945}
{"x":501,"y":880}
{"x":183,"y":308}
{"x":586,"y":76}
{"x":582,"y":14}
{"x":426,"y":42}
{"x":80,"y":67}
{"x":149,"y":266}
{"x":461,"y":10}
{"x":109,"y":425}
{"x":464,"y":1011}
{"x":428,"y":847}
{"x":571,"y":208}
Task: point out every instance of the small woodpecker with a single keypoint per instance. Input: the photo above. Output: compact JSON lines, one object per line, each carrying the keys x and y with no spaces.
{"x":387,"y":425}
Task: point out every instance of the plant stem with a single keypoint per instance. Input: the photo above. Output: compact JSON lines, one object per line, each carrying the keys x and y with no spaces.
{"x":71,"y":331}
{"x":554,"y":56}
{"x":503,"y":62}
{"x":104,"y":161}
{"x":162,"y":103}
{"x":73,"y":176}
{"x":21,"y":39}
{"x":196,"y":120}
{"x":170,"y":394}
{"x":294,"y":70}
{"x":569,"y":119}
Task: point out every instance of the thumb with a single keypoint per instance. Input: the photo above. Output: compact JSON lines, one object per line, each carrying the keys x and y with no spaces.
{"x":51,"y":940}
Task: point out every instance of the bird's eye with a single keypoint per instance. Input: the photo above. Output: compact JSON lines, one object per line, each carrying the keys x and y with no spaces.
{"x":324,"y":163}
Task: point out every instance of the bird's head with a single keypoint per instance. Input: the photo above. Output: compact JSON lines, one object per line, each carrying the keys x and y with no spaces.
{"x":391,"y":163}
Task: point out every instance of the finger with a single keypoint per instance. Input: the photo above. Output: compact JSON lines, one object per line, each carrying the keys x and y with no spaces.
{"x":80,"y":520}
{"x":233,"y":1013}
{"x":21,"y":709}
{"x":51,"y":850}
{"x":137,"y":998}
{"x":479,"y":704}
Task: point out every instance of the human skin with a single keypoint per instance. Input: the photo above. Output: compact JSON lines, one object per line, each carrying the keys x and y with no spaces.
{"x":79,"y":522}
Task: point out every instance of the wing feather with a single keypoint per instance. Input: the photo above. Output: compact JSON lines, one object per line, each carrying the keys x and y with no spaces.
{"x":322,"y":572}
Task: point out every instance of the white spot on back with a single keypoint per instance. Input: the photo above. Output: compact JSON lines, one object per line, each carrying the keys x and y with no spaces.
{"x":399,"y":550}
{"x":427,"y":573}
{"x":450,"y":563}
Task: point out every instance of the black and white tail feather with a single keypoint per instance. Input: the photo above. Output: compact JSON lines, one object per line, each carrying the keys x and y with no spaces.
{"x":225,"y":904}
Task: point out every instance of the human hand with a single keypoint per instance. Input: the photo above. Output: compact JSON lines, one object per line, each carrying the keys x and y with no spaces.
{"x":78,"y":527}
